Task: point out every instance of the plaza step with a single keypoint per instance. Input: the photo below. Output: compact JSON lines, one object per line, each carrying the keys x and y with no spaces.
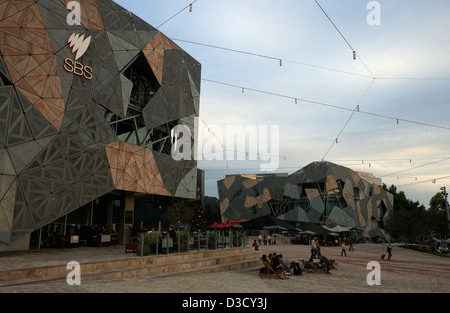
{"x":155,"y":266}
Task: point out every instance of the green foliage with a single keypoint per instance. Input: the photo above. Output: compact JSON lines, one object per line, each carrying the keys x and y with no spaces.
{"x":211,"y":235}
{"x":149,"y":239}
{"x":183,"y":236}
{"x":400,"y":200}
{"x":411,"y":222}
{"x":437,"y":203}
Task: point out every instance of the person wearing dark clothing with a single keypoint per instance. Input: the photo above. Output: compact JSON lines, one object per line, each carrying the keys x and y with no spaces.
{"x":172,"y":233}
{"x":351,"y":245}
{"x":278,"y":266}
{"x":325,"y":262}
{"x":389,"y":252}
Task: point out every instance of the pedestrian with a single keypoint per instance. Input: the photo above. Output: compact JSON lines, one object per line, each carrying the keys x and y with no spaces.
{"x":275,"y":239}
{"x":343,"y":249}
{"x":313,"y":248}
{"x":255,"y":245}
{"x":269,"y":239}
{"x":259,"y":239}
{"x":389,"y":251}
{"x":351,"y":245}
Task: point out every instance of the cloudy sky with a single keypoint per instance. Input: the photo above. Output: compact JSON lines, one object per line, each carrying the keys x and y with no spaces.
{"x":386,"y":113}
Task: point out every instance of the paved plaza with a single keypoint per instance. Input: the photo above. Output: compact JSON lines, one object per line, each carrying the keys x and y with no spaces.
{"x":408,"y":271}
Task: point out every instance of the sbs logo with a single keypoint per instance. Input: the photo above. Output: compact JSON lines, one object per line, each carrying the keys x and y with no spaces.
{"x":79,"y":46}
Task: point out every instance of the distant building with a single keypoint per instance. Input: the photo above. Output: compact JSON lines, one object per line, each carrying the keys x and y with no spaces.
{"x":321,"y":192}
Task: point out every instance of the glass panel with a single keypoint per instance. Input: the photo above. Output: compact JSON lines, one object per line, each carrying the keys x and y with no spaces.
{"x":145,"y":84}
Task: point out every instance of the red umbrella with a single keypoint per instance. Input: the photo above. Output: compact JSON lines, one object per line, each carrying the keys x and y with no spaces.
{"x":229,"y":224}
{"x":215,"y":225}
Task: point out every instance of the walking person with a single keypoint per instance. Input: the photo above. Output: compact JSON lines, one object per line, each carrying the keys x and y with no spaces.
{"x":351,"y":245}
{"x":389,"y":251}
{"x":343,"y":249}
{"x":313,"y":248}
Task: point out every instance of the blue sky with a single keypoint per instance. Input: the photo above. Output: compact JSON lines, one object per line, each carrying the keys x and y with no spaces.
{"x":402,"y":72}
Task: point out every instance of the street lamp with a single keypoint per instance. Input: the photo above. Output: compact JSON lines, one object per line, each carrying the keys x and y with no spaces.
{"x":445,"y":194}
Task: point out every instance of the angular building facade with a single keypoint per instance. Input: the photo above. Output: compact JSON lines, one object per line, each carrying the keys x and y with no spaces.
{"x":87,"y":107}
{"x":322,"y":193}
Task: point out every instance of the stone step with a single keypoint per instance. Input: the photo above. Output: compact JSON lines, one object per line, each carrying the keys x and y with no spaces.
{"x":155,"y":266}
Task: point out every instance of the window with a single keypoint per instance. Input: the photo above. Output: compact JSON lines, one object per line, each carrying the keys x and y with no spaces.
{"x":145,"y":84}
{"x":132,"y":129}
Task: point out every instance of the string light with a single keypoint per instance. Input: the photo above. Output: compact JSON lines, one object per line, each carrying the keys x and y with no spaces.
{"x":423,"y":181}
{"x":270,"y":57}
{"x":188,"y":6}
{"x":353,"y":50}
{"x":324,"y":104}
{"x":354,"y":57}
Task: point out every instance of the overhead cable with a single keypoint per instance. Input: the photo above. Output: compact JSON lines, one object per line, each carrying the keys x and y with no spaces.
{"x":296,"y":99}
{"x":188,"y":6}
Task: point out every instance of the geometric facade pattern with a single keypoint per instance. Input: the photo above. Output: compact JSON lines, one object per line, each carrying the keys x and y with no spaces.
{"x":68,"y":130}
{"x":134,"y":168}
{"x":321,"y":192}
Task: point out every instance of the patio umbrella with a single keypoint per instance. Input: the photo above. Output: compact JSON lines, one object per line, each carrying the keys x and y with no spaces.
{"x":337,"y":228}
{"x":215,"y":225}
{"x":267,"y":221}
{"x":317,"y":229}
{"x":229,"y":224}
{"x":179,"y":225}
{"x":274,"y":227}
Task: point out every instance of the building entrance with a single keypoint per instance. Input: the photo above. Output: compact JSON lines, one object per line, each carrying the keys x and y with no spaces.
{"x":98,"y":223}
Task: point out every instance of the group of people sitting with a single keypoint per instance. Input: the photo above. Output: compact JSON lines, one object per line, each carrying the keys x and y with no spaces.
{"x":282,"y":266}
{"x":285,"y":268}
{"x":324,"y":264}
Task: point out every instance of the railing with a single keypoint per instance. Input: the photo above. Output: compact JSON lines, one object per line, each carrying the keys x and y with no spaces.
{"x":155,"y":243}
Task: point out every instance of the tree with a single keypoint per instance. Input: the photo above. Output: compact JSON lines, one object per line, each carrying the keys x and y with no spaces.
{"x":198,"y":218}
{"x":177,"y":212}
{"x":211,"y":206}
{"x":397,"y":227}
{"x":400,"y":200}
{"x":421,"y":224}
{"x":411,"y":222}
{"x":437,"y":203}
